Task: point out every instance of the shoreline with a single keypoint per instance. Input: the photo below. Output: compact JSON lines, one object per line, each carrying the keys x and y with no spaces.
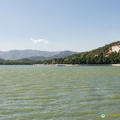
{"x":76,"y":64}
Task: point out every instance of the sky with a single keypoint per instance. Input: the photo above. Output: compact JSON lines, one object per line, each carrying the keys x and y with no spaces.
{"x":58,"y":25}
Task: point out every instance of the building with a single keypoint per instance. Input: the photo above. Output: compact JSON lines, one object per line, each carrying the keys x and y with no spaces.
{"x":96,"y":55}
{"x":53,"y":61}
{"x":116,"y":48}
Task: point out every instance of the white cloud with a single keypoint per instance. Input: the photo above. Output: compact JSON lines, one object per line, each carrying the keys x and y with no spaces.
{"x":39,"y":41}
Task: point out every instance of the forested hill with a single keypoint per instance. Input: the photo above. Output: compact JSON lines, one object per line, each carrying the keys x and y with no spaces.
{"x":108,"y":54}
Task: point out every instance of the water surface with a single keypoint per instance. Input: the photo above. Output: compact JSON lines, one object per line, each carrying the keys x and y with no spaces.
{"x":59,"y":93}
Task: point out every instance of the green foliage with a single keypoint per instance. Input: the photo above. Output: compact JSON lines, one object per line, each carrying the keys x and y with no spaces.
{"x":96,"y":56}
{"x":10,"y":62}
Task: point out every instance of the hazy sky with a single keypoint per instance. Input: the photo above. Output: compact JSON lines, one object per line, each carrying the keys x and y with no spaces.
{"x":57,"y":25}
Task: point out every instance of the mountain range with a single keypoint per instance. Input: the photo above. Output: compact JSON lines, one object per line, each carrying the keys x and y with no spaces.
{"x":33,"y":54}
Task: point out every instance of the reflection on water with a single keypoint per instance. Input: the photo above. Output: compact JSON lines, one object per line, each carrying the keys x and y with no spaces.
{"x":59,"y":93}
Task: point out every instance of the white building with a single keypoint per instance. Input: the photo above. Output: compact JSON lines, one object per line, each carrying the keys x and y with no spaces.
{"x":116,"y":48}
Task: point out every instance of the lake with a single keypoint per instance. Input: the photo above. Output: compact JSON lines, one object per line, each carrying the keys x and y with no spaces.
{"x":59,"y":93}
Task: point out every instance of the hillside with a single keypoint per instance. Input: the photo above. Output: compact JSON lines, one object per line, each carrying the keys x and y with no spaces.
{"x":19,"y":54}
{"x":62,"y":54}
{"x":32,"y":54}
{"x":34,"y":58}
{"x":108,"y":54}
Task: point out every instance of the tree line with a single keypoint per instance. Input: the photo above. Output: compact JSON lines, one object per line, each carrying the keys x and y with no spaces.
{"x":83,"y":58}
{"x":101,"y":55}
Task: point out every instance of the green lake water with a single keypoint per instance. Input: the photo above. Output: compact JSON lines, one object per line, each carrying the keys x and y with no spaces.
{"x":59,"y":93}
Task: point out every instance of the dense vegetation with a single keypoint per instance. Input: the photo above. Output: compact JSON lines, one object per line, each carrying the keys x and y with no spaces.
{"x":96,"y":56}
{"x":16,"y":62}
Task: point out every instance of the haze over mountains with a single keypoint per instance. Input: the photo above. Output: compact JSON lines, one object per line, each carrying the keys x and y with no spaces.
{"x":33,"y":54}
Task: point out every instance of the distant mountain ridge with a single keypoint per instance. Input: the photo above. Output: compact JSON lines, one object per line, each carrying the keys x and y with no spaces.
{"x":33,"y":54}
{"x":62,"y":54}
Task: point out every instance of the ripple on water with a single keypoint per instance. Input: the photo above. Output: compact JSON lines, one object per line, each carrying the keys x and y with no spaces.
{"x":58,"y":93}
